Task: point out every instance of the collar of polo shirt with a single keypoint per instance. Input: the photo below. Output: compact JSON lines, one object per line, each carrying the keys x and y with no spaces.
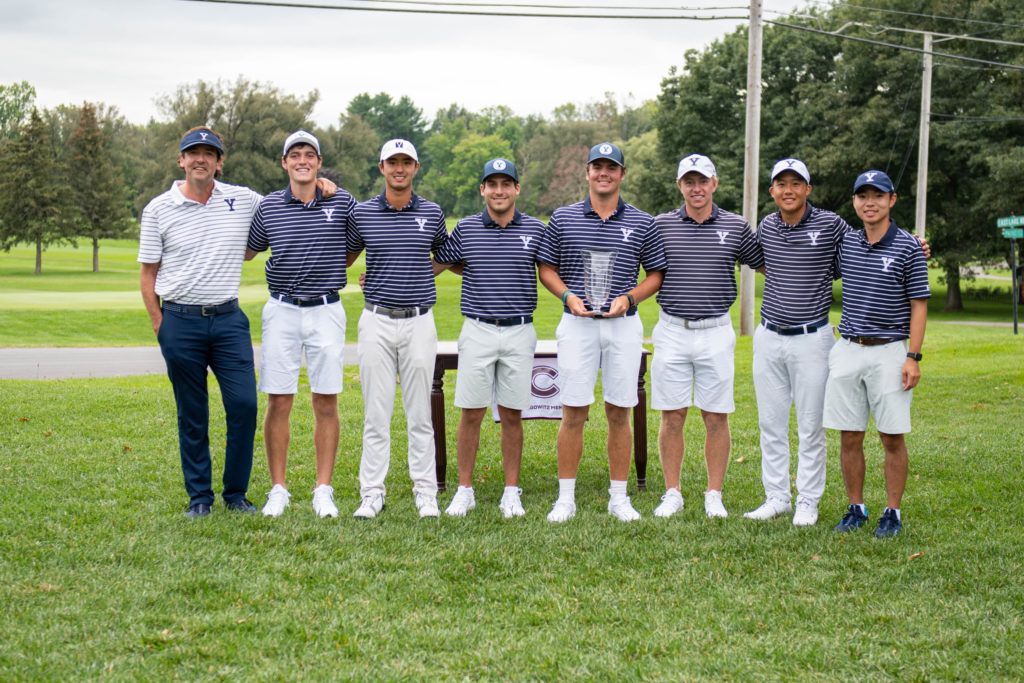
{"x":382,"y":203}
{"x":887,"y":238}
{"x":289,"y":197}
{"x":589,"y":208}
{"x":485,"y":217}
{"x":807,"y":214}
{"x":711,"y":219}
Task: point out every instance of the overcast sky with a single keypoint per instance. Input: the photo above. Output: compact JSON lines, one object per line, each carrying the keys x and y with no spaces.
{"x":127,"y":53}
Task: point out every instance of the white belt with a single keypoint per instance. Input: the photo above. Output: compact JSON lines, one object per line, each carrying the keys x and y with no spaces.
{"x":702,"y":324}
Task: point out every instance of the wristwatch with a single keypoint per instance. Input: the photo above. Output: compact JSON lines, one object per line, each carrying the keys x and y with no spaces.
{"x":914,"y":356}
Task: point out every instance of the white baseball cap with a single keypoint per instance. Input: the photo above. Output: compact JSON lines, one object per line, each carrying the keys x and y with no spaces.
{"x":696,"y":162}
{"x":300,"y":137}
{"x":398,"y":146}
{"x":794,"y":165}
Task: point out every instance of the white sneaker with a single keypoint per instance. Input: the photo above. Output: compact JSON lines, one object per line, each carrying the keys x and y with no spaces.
{"x":370,"y":507}
{"x":510,"y":504}
{"x":427,"y":505}
{"x":277,"y":501}
{"x":622,"y":509}
{"x":771,"y":508}
{"x":806,"y":512}
{"x":713,"y":505}
{"x":323,"y":501}
{"x":462,"y":502}
{"x":671,"y":503}
{"x":562,"y":510}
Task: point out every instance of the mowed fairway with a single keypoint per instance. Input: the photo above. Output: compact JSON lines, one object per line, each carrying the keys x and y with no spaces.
{"x":104,"y":577}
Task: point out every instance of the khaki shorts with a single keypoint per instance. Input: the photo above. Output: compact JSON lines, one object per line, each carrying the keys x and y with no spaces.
{"x":495,"y":363}
{"x":865,"y":380}
{"x":288,"y":332}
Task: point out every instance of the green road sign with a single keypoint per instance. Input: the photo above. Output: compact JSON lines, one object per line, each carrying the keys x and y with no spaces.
{"x":1009,"y":222}
{"x":1013,"y":233}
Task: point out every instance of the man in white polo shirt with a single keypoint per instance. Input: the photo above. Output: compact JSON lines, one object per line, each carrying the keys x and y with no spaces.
{"x":398,"y":230}
{"x":305,"y":233}
{"x":497,"y":249}
{"x":604,"y":240}
{"x":191,"y":244}
{"x":694,"y":341}
{"x":875,"y":366}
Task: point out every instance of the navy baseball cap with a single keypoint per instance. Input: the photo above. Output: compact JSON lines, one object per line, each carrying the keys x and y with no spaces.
{"x":201,"y":136}
{"x":606,"y":150}
{"x":876,"y":179}
{"x":499,"y":167}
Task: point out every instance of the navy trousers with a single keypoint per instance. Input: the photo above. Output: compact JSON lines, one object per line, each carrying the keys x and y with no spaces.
{"x":190,"y":344}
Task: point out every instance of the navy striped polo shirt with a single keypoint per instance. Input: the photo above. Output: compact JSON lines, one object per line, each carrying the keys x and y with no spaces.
{"x":499,"y":279}
{"x":879,"y":280}
{"x":398,"y":246}
{"x":799,"y":263}
{"x":701,"y":278}
{"x":306,"y":241}
{"x":629,"y":233}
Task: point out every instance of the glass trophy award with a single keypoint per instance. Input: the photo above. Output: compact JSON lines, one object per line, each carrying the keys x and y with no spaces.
{"x":597,"y":277}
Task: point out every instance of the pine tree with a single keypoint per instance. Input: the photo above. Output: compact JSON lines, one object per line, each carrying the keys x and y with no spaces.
{"x":34,"y":200}
{"x":100,"y":192}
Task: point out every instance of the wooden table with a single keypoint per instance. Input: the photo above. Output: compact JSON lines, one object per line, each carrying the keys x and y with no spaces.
{"x":448,"y":359}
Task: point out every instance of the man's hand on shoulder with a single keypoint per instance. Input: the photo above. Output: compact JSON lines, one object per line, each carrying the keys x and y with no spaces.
{"x":327,"y":188}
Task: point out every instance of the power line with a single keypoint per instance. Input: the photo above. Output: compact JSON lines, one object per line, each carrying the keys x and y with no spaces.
{"x":947,"y":55}
{"x":950,"y":118}
{"x":948,"y":36}
{"x":663,"y":8}
{"x":923,"y":15}
{"x":466,"y":12}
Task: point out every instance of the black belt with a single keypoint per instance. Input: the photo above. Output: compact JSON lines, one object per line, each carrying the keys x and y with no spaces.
{"x":799,"y":329}
{"x":504,"y":322}
{"x":870,"y":341}
{"x":191,"y":309}
{"x":397,"y":313}
{"x":311,"y":301}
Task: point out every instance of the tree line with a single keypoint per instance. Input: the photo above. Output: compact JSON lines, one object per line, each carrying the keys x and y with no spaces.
{"x":840,"y":105}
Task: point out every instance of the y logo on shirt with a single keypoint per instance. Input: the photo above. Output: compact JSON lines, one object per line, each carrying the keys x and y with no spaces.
{"x":230,"y":202}
{"x":814,"y":237}
{"x":328,"y":213}
{"x":886,"y":262}
{"x":526,"y":240}
{"x":626,"y":232}
{"x":422,"y":222}
{"x":722,"y":234}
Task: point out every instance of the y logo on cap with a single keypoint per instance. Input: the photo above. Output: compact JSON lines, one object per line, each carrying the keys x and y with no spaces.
{"x":499,"y":165}
{"x":870,"y":176}
{"x":605,"y":149}
{"x":204,"y":135}
{"x":694,"y":160}
{"x":422,"y":222}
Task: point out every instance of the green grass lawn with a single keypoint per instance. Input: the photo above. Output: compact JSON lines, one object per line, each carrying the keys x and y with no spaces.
{"x":68,"y":305}
{"x":105,"y":578}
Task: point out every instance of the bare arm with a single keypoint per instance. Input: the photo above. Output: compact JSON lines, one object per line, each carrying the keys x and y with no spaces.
{"x":550,"y":278}
{"x":918,"y":320}
{"x":647,"y":287}
{"x":250,"y":254}
{"x":327,"y":187}
{"x":439,"y":268}
{"x":147,"y":284}
{"x":350,"y":257}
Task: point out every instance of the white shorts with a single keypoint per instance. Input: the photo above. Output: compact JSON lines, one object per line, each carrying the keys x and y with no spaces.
{"x":289,"y":330}
{"x":495,"y":363}
{"x":863,"y":380}
{"x":692,"y":366}
{"x":615,"y":345}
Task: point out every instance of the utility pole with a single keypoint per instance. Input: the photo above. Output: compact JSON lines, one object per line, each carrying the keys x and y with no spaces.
{"x":922,"y":138}
{"x":751,"y":161}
